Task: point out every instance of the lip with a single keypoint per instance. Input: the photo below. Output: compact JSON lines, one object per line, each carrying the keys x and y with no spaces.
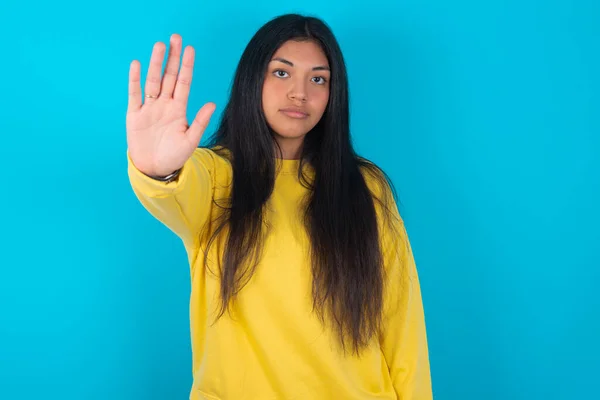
{"x":294,"y":113}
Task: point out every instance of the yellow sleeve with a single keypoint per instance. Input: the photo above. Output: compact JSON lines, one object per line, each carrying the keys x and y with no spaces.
{"x":404,"y":338}
{"x":182,"y":205}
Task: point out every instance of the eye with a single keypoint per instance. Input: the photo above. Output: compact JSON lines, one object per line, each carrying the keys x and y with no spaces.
{"x":280,"y":73}
{"x":319,"y":80}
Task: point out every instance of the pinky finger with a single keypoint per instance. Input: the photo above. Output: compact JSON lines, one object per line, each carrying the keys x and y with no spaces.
{"x":135,"y":89}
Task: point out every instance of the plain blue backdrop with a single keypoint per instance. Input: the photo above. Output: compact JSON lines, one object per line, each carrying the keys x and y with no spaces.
{"x":485,"y":114}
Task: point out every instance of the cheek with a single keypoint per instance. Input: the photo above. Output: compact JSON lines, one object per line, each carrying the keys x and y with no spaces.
{"x":320,"y":99}
{"x":270,"y":102}
{"x":271,"y":91}
{"x":266,"y":96}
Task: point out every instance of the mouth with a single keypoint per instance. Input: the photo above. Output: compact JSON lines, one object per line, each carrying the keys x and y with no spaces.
{"x":292,"y":113}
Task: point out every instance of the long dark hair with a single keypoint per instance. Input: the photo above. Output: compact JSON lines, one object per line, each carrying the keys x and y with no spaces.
{"x":340,"y":214}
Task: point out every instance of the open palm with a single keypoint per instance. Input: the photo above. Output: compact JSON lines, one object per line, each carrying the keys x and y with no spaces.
{"x":159,"y":138}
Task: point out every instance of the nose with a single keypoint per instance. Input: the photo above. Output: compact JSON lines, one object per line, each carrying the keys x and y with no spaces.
{"x":298,"y":92}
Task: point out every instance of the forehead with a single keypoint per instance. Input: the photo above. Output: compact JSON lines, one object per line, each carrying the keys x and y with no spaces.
{"x":302,"y":53}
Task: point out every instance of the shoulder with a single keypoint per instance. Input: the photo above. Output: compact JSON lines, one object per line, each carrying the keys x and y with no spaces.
{"x":214,"y":158}
{"x":384,"y":197}
{"x":378,"y":181}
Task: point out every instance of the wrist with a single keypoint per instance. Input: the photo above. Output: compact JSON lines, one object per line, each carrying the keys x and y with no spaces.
{"x":165,"y":178}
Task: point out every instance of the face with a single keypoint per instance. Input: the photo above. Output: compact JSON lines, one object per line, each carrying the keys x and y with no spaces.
{"x":295,"y":92}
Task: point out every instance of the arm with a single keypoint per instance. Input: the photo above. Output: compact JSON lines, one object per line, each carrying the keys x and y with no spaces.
{"x":404,"y":338}
{"x":182,"y":205}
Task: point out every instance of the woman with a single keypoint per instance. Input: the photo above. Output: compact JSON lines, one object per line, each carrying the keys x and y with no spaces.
{"x":303,"y":281}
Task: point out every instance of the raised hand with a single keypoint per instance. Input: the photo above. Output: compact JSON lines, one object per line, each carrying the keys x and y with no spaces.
{"x":159,"y":138}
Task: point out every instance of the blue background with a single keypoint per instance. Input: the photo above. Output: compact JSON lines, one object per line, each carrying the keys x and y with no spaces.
{"x":485,"y":114}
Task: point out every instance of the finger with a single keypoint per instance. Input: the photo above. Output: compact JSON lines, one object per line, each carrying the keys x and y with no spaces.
{"x":153,"y":80}
{"x":135,"y":89}
{"x":172,"y":68}
{"x":196,"y":130}
{"x":184,"y":80}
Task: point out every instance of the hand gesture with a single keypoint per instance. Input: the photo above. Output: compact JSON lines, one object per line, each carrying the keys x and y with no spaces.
{"x":159,"y":138}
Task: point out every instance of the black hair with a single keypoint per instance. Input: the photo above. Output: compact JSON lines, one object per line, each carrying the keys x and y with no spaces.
{"x":339,"y":215}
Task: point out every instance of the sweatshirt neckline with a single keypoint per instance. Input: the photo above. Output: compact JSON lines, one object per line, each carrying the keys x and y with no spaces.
{"x":287,"y":165}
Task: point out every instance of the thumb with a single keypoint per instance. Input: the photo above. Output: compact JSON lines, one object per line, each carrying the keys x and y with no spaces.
{"x":196,"y":130}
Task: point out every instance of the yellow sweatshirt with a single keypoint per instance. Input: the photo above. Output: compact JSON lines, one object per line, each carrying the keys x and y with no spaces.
{"x":273,"y":346}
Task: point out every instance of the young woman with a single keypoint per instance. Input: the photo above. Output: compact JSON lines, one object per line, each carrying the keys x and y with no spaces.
{"x":303,"y":283}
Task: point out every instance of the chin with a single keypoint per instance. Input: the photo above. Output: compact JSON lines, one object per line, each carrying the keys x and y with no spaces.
{"x":290,"y":132}
{"x":290,"y":135}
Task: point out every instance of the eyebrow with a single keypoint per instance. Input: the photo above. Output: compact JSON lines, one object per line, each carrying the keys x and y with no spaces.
{"x":291,"y":64}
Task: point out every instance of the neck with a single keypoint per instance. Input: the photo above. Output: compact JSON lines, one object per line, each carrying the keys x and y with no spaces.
{"x":291,"y":148}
